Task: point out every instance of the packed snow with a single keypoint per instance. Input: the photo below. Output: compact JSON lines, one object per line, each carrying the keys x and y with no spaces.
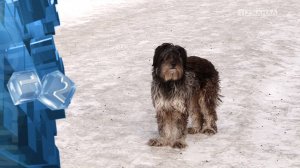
{"x":107,"y":48}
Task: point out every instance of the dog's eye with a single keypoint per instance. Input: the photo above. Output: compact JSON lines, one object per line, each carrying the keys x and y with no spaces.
{"x":163,"y":59}
{"x":167,"y":57}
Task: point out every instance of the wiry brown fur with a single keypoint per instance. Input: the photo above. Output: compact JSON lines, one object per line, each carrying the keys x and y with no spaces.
{"x":183,"y":86}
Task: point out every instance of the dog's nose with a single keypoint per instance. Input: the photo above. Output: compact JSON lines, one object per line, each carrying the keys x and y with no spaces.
{"x":173,"y":64}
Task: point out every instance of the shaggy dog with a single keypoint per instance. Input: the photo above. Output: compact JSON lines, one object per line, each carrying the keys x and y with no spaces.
{"x":183,"y":86}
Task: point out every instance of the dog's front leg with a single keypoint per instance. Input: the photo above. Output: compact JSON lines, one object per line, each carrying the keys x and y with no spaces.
{"x":179,"y":131}
{"x":164,"y":129}
{"x":196,"y":117}
{"x":172,"y":128}
{"x":210,"y":118}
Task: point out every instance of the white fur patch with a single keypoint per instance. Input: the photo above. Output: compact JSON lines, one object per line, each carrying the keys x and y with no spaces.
{"x":173,"y":104}
{"x":178,"y":98}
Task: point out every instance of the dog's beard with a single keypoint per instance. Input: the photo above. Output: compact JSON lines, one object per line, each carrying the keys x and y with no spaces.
{"x":171,"y":74}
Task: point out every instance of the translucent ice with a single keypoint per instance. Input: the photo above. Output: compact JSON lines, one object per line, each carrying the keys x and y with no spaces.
{"x":57,"y":91}
{"x":24,"y":86}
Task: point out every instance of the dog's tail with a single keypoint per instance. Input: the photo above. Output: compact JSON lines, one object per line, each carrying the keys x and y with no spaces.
{"x":219,"y":98}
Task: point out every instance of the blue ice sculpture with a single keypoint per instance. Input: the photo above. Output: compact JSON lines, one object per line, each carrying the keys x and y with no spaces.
{"x":27,"y":130}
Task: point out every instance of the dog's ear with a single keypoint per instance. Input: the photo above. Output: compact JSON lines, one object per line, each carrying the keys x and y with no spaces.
{"x":182,"y":52}
{"x":158,"y":51}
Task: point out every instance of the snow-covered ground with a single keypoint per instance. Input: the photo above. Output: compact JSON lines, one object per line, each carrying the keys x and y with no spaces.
{"x":107,"y":50}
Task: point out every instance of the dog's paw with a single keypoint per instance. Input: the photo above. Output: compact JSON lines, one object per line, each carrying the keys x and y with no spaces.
{"x":155,"y":142}
{"x":193,"y":130}
{"x":179,"y":144}
{"x":209,"y":131}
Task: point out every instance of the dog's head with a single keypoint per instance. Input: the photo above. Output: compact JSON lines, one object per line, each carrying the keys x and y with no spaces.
{"x":169,"y":62}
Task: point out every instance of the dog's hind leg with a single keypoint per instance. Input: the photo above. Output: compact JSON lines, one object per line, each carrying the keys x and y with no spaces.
{"x":196,"y":116}
{"x":208,"y":103}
